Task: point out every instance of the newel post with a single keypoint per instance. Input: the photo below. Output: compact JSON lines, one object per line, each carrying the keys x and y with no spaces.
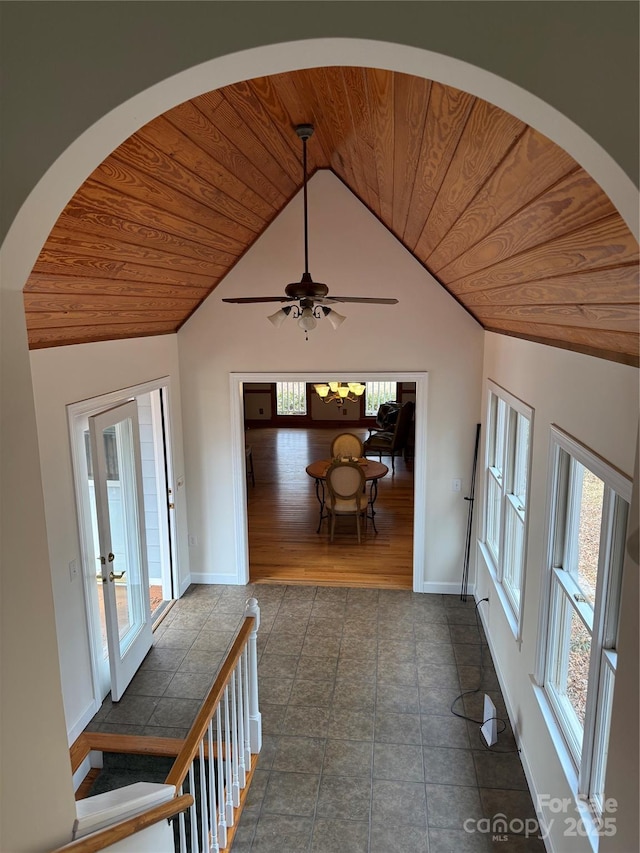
{"x":255,"y":718}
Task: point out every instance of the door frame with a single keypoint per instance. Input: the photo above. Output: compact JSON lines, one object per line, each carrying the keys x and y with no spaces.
{"x":239,"y":481}
{"x":83,"y":409}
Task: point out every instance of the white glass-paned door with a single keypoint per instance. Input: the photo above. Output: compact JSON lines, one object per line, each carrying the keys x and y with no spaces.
{"x":122,"y":558}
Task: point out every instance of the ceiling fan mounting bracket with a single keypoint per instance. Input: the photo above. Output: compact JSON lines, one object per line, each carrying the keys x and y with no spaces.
{"x":304,"y":131}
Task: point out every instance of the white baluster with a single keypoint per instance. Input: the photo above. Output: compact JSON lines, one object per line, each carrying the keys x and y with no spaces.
{"x":213,"y":806}
{"x":204,"y":806}
{"x":222,"y":823}
{"x":255,"y":729}
{"x":195,"y":847}
{"x":242,"y":775}
{"x":235,"y":743}
{"x":228,"y":776}
{"x":182,"y":826}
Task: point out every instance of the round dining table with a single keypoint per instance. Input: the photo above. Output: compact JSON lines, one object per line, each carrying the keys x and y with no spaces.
{"x":373,"y":471}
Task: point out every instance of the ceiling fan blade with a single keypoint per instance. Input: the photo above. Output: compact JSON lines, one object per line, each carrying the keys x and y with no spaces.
{"x":372,"y":300}
{"x":246,"y":299}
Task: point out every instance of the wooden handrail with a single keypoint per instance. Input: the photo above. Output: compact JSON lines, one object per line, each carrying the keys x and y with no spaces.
{"x":105,"y":837}
{"x":129,"y":744}
{"x":191,"y":747}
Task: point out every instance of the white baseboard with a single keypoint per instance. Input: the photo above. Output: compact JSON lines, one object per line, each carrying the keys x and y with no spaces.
{"x":184,"y":585}
{"x":211,"y":577}
{"x":83,"y":721}
{"x":522,"y":753}
{"x":446,"y":588}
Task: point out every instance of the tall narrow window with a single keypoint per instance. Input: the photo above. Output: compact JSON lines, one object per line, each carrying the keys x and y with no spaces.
{"x":291,"y":398}
{"x":577,"y":648}
{"x":506,"y":495}
{"x":377,"y":393}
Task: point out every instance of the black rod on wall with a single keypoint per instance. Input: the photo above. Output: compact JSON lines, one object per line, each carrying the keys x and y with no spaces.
{"x":471,"y":499}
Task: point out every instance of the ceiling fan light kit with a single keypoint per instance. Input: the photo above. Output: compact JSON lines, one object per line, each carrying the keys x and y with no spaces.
{"x":312,"y":297}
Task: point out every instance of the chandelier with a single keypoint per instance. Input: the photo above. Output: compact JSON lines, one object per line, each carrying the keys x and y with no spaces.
{"x":339,"y":391}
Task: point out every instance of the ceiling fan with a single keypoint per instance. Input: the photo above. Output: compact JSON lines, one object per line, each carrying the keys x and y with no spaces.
{"x":312,"y":297}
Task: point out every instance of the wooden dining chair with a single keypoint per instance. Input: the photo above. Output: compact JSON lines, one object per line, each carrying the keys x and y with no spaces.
{"x":345,"y":482}
{"x":346,"y":444}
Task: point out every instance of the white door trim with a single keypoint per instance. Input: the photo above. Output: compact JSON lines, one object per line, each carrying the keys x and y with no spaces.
{"x":77,"y":413}
{"x":239,"y":484}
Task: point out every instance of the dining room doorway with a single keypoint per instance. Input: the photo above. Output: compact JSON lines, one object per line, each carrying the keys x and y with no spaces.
{"x":299,"y":526}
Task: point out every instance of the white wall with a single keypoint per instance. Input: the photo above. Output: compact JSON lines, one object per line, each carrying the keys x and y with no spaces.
{"x":596,"y":402}
{"x":64,"y":375}
{"x":427,"y":331}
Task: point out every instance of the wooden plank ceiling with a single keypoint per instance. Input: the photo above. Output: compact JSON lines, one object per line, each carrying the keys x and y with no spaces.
{"x":503,"y":218}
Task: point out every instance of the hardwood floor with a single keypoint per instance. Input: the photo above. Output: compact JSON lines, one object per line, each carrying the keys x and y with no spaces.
{"x":283,"y":517}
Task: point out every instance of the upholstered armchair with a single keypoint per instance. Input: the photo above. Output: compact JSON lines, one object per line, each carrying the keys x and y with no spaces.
{"x":392,"y":441}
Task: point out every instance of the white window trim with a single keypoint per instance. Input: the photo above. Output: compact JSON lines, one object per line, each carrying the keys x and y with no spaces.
{"x":514,"y":615}
{"x":622,"y":486}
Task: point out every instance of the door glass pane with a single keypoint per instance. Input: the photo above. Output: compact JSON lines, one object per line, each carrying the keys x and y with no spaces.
{"x":93,"y":542}
{"x":125,"y":538}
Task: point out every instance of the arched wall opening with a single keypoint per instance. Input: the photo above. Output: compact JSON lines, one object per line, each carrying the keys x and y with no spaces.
{"x":25,"y":546}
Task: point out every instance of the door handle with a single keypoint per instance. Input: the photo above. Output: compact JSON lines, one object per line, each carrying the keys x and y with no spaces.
{"x":114,"y":577}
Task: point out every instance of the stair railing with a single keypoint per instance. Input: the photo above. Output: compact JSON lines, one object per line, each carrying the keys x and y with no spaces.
{"x":215,"y":764}
{"x":217,"y":760}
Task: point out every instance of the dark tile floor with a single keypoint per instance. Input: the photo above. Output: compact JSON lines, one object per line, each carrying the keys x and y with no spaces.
{"x":361,"y":752}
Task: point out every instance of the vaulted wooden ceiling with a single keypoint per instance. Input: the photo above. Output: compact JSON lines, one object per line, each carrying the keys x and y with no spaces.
{"x":502,"y":217}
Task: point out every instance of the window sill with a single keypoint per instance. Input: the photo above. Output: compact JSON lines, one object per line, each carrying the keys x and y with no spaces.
{"x":577,"y":818}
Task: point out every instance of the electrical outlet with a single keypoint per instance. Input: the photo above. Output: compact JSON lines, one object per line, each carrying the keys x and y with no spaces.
{"x":193,"y":540}
{"x":456,"y":485}
{"x":261,"y":411}
{"x":73,"y":569}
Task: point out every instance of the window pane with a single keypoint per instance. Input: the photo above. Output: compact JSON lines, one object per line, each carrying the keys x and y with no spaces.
{"x":291,"y":398}
{"x":521,"y":459}
{"x":603,"y":726}
{"x":377,"y":393}
{"x":588,"y":542}
{"x":494,"y":495}
{"x":498,"y":447}
{"x":513,"y":553}
{"x":568,"y":666}
{"x":578,"y":671}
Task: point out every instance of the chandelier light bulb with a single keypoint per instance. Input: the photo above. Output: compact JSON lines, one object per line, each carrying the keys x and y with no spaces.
{"x":307,"y":321}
